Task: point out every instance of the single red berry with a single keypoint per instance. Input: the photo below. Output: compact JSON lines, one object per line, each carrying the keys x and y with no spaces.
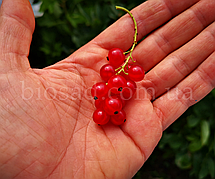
{"x":112,"y":105}
{"x":106,"y":72}
{"x":100,"y":117}
{"x":136,"y":73}
{"x":120,"y":97}
{"x":116,"y":57}
{"x":99,"y":90}
{"x":99,"y":103}
{"x":129,"y":90}
{"x":119,"y":118}
{"x":116,"y":83}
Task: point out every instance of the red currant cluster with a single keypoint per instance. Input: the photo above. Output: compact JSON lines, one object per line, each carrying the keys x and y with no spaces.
{"x":119,"y":85}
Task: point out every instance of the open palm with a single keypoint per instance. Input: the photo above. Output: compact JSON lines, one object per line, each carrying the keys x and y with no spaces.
{"x":46,"y":114}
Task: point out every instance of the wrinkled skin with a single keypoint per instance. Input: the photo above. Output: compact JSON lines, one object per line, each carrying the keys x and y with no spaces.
{"x":46,"y":127}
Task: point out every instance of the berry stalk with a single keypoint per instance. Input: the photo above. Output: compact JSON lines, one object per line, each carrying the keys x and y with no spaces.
{"x":134,"y":43}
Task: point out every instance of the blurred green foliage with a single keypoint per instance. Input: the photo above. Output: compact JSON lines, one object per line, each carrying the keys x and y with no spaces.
{"x":187,"y":148}
{"x":68,"y":24}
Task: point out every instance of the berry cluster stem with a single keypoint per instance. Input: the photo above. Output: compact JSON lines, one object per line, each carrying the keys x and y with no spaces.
{"x":134,"y":43}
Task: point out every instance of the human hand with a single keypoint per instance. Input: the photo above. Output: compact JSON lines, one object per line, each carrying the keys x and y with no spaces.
{"x":46,"y":114}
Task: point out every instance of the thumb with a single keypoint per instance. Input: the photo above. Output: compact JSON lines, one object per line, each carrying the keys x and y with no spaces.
{"x":16,"y":28}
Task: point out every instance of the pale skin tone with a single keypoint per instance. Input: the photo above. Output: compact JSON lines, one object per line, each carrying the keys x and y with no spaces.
{"x":46,"y":127}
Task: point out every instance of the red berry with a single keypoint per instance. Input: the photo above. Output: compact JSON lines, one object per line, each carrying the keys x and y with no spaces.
{"x":99,"y":103}
{"x":100,"y":117}
{"x":136,"y":73}
{"x":119,"y":118}
{"x":112,"y":105}
{"x":106,"y":72}
{"x":99,"y":90}
{"x":121,"y":98}
{"x":116,"y":57}
{"x":129,"y":90}
{"x":116,"y":83}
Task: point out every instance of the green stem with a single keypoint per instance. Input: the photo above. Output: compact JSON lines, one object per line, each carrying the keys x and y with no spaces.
{"x":134,"y":43}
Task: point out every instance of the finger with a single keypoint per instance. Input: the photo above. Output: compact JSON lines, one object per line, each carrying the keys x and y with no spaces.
{"x":148,"y":15}
{"x":174,"y":34}
{"x":16,"y":28}
{"x":180,"y":63}
{"x":189,"y":91}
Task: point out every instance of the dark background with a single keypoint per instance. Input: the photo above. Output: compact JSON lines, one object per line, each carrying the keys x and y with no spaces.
{"x":187,"y":148}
